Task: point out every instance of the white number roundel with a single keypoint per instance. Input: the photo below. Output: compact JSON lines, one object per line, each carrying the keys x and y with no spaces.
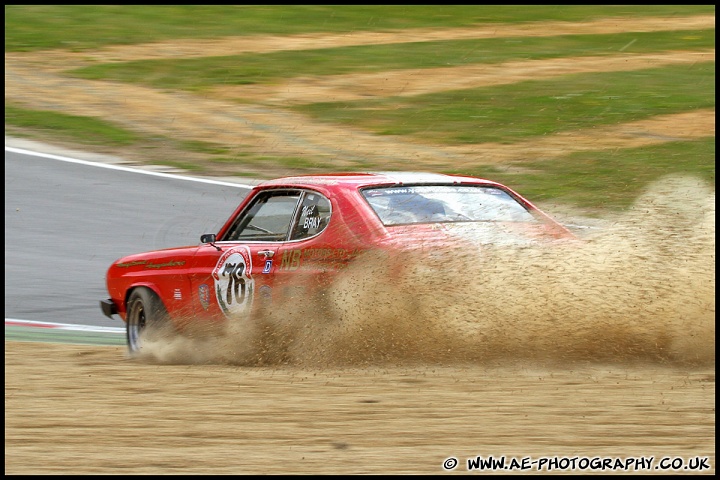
{"x":234,"y":282}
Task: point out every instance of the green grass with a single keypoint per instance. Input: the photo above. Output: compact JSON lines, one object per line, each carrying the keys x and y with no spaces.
{"x":81,"y":27}
{"x":196,"y":74}
{"x":511,"y":113}
{"x":87,"y":130}
{"x":606,"y":180}
{"x":205,"y":147}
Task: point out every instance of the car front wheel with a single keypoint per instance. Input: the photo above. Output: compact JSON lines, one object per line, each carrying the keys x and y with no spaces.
{"x":144,"y":310}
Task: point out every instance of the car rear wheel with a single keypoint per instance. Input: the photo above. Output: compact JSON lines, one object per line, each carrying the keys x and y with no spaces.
{"x":144,"y":310}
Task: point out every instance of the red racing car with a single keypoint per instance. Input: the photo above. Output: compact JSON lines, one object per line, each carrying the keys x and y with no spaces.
{"x":306,"y":229}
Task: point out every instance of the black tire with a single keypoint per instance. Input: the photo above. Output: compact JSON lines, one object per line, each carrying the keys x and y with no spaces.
{"x":144,"y":310}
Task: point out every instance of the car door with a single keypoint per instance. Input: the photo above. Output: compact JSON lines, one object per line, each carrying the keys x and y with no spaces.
{"x":306,"y":261}
{"x":234,"y":276}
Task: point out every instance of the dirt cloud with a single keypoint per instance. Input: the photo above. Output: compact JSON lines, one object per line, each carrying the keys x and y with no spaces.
{"x":639,"y":289}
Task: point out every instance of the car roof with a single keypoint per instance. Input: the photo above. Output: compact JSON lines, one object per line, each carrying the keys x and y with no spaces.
{"x":366,"y":179}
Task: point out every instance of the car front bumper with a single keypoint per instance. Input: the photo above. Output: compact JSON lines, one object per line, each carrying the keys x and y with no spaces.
{"x":108,"y":307}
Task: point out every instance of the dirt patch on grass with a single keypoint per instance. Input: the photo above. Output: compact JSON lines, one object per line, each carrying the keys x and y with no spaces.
{"x":411,"y":82}
{"x":263,"y":139}
{"x":183,"y":48}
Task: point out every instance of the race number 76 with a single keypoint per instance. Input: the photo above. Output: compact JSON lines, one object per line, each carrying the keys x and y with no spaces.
{"x":236,"y":282}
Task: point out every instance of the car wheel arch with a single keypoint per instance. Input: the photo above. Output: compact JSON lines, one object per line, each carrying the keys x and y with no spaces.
{"x":148,"y":286}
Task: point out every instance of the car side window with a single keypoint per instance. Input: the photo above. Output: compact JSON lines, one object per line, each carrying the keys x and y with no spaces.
{"x":314,"y":216}
{"x":268,"y":218}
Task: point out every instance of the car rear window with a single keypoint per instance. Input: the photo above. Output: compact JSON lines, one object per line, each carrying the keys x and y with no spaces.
{"x":445,"y":203}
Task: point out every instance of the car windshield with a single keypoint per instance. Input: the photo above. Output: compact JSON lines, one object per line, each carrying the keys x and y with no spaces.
{"x":445,"y":203}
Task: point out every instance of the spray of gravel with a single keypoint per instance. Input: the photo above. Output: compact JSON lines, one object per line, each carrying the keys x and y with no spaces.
{"x":641,"y":288}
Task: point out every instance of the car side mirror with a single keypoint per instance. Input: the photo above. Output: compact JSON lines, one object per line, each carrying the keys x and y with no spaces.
{"x":207,"y":238}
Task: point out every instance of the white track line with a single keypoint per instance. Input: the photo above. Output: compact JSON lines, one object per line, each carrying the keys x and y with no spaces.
{"x":90,"y":328}
{"x":62,"y":326}
{"x":124,"y":169}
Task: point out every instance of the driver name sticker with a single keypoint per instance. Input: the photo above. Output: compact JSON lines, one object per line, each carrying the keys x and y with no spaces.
{"x":233,"y":281}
